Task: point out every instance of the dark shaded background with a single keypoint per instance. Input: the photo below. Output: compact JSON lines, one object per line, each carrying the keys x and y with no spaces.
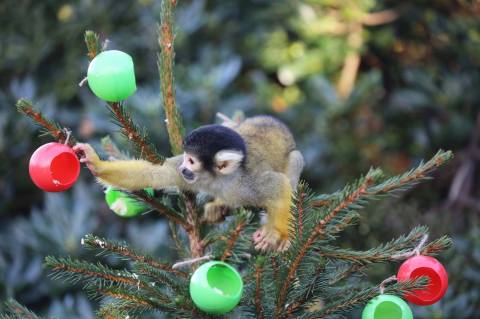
{"x":416,"y":89}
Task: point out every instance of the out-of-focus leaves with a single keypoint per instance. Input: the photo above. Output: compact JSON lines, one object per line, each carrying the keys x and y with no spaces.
{"x":416,"y":90}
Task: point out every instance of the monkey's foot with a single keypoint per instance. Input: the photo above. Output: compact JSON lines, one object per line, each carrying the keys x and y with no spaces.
{"x":214,"y":213}
{"x":264,"y":240}
{"x":88,"y":156}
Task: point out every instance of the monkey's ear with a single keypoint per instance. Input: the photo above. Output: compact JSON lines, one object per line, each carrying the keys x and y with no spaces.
{"x":227,"y":161}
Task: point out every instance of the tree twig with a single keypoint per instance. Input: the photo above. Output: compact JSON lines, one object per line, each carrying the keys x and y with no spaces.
{"x":233,"y":238}
{"x":258,"y":291}
{"x":165,"y":69}
{"x":55,"y":130}
{"x":125,"y":251}
{"x":130,"y":130}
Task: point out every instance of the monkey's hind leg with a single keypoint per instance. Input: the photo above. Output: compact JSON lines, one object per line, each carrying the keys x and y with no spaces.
{"x":274,"y":234}
{"x":294,"y":167}
{"x":215,"y":211}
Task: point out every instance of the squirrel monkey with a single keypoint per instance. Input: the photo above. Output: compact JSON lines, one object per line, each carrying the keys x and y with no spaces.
{"x":252,"y":163}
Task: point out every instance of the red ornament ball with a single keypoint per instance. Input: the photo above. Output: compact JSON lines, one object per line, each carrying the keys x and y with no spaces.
{"x":424,"y":266}
{"x":54,"y":167}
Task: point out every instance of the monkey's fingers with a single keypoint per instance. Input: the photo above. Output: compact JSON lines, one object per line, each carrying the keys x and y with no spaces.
{"x":259,"y":235}
{"x":86,"y":151}
{"x":87,"y":156}
{"x":265,"y":240}
{"x":283,"y":245}
{"x":263,"y":245}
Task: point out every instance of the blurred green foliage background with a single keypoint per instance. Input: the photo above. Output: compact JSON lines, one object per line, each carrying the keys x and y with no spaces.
{"x":360,"y":83}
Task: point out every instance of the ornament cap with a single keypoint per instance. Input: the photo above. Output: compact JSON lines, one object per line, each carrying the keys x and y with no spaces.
{"x":111,"y":76}
{"x":419,"y":266}
{"x":216,"y":287}
{"x":54,"y":167}
{"x":124,"y":205}
{"x":387,"y":307}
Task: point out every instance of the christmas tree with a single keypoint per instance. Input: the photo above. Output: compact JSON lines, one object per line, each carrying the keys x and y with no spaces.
{"x":314,"y":278}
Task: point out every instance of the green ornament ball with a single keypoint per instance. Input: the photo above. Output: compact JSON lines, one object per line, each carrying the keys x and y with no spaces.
{"x":216,"y":287}
{"x":123,"y":205}
{"x":111,"y":76}
{"x":387,"y":307}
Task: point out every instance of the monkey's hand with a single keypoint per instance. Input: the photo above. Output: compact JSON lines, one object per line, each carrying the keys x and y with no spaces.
{"x":215,"y":212}
{"x":269,"y":239}
{"x":89,"y":157}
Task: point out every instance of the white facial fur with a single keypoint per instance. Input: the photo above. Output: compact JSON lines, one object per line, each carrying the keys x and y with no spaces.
{"x":189,"y":167}
{"x":191,"y":162}
{"x":227,"y":161}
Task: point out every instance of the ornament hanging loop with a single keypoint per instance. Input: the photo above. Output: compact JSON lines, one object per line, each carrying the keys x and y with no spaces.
{"x":191,"y":261}
{"x":420,"y":245}
{"x":417,"y":251}
{"x":83,"y":81}
{"x":386,"y":281}
{"x":68,"y":133}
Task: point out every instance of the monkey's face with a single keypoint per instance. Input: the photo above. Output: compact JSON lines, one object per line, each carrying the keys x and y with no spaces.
{"x":190,"y":167}
{"x":224,"y":162}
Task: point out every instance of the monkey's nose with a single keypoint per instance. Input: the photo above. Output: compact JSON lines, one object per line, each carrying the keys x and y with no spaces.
{"x":188,"y":174}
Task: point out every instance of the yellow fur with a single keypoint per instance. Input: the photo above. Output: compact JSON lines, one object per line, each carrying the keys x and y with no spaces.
{"x":279,"y":213}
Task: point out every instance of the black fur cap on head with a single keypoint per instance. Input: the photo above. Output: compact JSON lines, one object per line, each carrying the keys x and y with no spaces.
{"x":206,"y":141}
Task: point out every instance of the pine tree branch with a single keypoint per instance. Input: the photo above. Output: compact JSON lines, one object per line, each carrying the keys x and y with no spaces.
{"x":275,"y":270}
{"x":131,"y":131}
{"x":111,"y":310}
{"x":396,"y":183}
{"x":299,"y":203}
{"x":197,"y":249}
{"x":351,"y":269}
{"x":258,"y":290}
{"x":436,"y":246}
{"x":17,"y":311}
{"x":351,"y":198}
{"x":130,"y":304}
{"x":112,"y":149}
{"x":102,"y":277}
{"x":166,"y":59}
{"x":173,"y":118}
{"x":92,"y":41}
{"x":386,"y":252}
{"x":54,"y":129}
{"x":162,"y":209}
{"x":124,"y":250}
{"x":234,"y":234}
{"x":176,"y":284}
{"x":414,"y":176}
{"x":74,"y":270}
{"x":179,"y":245}
{"x":360,"y":260}
{"x":362,"y":190}
{"x":350,"y":301}
{"x":212,"y":237}
{"x":296,"y":305}
{"x":136,"y":300}
{"x":232,"y":242}
{"x":123,"y":118}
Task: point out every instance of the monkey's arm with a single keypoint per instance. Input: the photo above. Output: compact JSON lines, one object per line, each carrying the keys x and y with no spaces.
{"x":134,"y":174}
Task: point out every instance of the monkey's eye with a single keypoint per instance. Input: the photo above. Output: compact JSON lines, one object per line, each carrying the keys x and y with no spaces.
{"x":190,"y":160}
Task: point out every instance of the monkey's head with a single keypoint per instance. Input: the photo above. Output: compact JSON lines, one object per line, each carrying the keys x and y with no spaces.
{"x":214,"y":149}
